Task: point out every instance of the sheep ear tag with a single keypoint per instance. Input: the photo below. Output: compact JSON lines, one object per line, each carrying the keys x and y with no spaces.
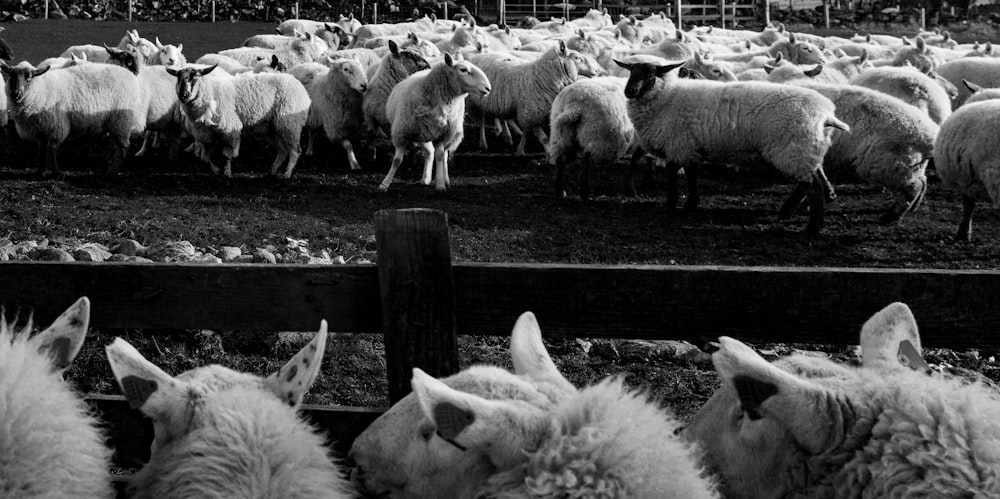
{"x":137,"y":390}
{"x":451,"y":420}
{"x":908,"y":356}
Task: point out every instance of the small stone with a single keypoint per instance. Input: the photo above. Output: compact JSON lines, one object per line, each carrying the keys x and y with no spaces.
{"x":229,"y":253}
{"x":25,"y":247}
{"x":205,"y":258}
{"x":261,"y":255}
{"x":91,"y":254}
{"x":362,"y":261}
{"x":339,"y":260}
{"x":52,"y":255}
{"x":129,"y":247}
{"x":298,"y":258}
{"x":243,"y":259}
{"x":128,"y":259}
{"x":172,"y":251}
{"x":605,"y":349}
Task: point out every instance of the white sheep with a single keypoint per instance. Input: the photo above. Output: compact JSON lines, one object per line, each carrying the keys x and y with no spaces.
{"x":806,"y":426}
{"x":160,"y":107}
{"x":51,"y":441}
{"x":220,"y":110}
{"x":225,"y":63}
{"x":336,"y":96}
{"x":524,"y":91}
{"x":589,"y":124}
{"x":90,"y":52}
{"x":428,"y":109}
{"x":147,"y":49}
{"x":889,"y":144}
{"x":786,"y":126}
{"x":395,"y":66}
{"x":980,"y":93}
{"x":301,"y":51}
{"x":170,"y":55}
{"x":223,"y":433}
{"x":909,"y":85}
{"x":982,"y":70}
{"x":48,"y":106}
{"x":966,"y":160}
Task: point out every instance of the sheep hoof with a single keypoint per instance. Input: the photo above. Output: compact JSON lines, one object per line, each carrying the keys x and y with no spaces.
{"x":383,"y":187}
{"x":963,"y":237}
{"x":890,"y":217}
{"x":355,"y":167}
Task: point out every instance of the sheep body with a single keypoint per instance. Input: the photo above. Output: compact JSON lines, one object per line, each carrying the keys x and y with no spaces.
{"x":909,"y":85}
{"x":300,"y":52}
{"x":50,"y":438}
{"x":981,"y":70}
{"x":589,"y":122}
{"x":92,"y":53}
{"x":225,"y":63}
{"x":47,"y":106}
{"x":335,"y":95}
{"x":395,"y":67}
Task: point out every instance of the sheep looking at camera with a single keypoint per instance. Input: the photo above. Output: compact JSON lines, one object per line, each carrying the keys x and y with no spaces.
{"x":809,"y":427}
{"x":222,"y":433}
{"x":51,"y":443}
{"x":336,"y":95}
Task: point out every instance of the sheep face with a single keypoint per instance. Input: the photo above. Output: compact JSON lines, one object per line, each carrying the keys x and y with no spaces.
{"x":187,"y":82}
{"x":782,"y":429}
{"x":169,"y":55}
{"x":354,"y":74}
{"x":124,"y":58}
{"x":18,"y":78}
{"x":642,"y":76}
{"x":586,"y":65}
{"x":471,"y":79}
{"x":411,"y":59}
{"x":404,"y":454}
{"x":172,"y":402}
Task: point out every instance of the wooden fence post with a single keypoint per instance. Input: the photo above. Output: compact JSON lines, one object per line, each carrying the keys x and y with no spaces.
{"x":923,"y":19}
{"x":418,"y":295}
{"x":826,"y":13}
{"x":767,"y":12}
{"x":722,"y":14}
{"x":677,"y":5}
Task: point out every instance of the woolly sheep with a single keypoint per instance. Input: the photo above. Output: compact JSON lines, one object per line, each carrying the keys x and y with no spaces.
{"x":396,"y":66}
{"x":147,"y":49}
{"x":919,"y":56}
{"x":808,"y":427}
{"x":225,"y":63}
{"x":982,"y":70}
{"x":525,"y":90}
{"x":428,"y":108}
{"x":967,"y":161}
{"x":222,"y":433}
{"x":50,"y":438}
{"x":909,"y":85}
{"x":590,"y":124}
{"x":889,"y":144}
{"x":784,"y":125}
{"x":336,"y":96}
{"x":288,"y":27}
{"x":374,"y":30}
{"x":220,"y":110}
{"x":92,"y":53}
{"x":980,"y":93}
{"x":83,"y":100}
{"x":300,"y":52}
{"x":160,"y":107}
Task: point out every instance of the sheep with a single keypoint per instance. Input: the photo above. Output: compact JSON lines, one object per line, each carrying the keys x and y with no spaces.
{"x":225,"y":63}
{"x":809,"y":427}
{"x":889,"y":144}
{"x":51,"y":441}
{"x":222,"y":109}
{"x":909,"y":85}
{"x":146,"y":48}
{"x":288,"y":27}
{"x":982,"y":70}
{"x":837,"y":71}
{"x":589,"y":123}
{"x":704,"y":66}
{"x":90,"y":52}
{"x":396,"y":66}
{"x":526,"y":434}
{"x":980,"y":93}
{"x":170,"y":55}
{"x":336,"y":97}
{"x":161,"y":109}
{"x":428,"y":108}
{"x":223,"y":433}
{"x":300,"y":52}
{"x":525,"y":91}
{"x":424,"y":24}
{"x":594,"y":19}
{"x":464,"y":38}
{"x":966,"y":160}
{"x":83,"y":100}
{"x":62,"y":62}
{"x":784,"y":125}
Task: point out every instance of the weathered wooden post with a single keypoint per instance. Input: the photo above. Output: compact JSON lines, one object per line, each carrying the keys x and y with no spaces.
{"x":722,"y":14}
{"x":445,"y":9}
{"x":923,"y":19}
{"x":213,"y":11}
{"x":418,"y":295}
{"x":129,"y":10}
{"x":677,"y":5}
{"x":826,"y":13}
{"x":767,"y":12}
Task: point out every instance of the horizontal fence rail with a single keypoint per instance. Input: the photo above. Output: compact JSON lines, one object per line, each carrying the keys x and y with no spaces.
{"x":955,"y":308}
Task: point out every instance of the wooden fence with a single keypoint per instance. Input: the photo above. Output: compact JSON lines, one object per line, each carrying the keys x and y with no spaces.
{"x":419,"y":301}
{"x":721,"y":13}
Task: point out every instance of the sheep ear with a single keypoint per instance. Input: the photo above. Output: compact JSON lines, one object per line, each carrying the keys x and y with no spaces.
{"x":988,"y":49}
{"x":906,"y":41}
{"x":778,"y":58}
{"x":662,"y":70}
{"x":171,"y":71}
{"x":791,"y":37}
{"x":623,"y":65}
{"x":450,"y":410}
{"x":581,"y":34}
{"x":838,"y":53}
{"x":506,"y":29}
{"x":814,"y":72}
{"x":158,"y":44}
{"x":292,"y":381}
{"x":883,"y":337}
{"x":448,"y":59}
{"x":110,"y":50}
{"x":180,"y":47}
{"x":864,"y":56}
{"x":393,"y":48}
{"x":146,"y":386}
{"x":62,"y":340}
{"x":768,"y":68}
{"x":766,"y":391}
{"x":412,"y":37}
{"x":921,"y":45}
{"x":40,"y":72}
{"x":530,"y":357}
{"x":207,"y":70}
{"x":562,"y":48}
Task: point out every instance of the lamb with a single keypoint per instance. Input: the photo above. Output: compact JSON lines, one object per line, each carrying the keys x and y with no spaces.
{"x":590,"y":124}
{"x":223,"y":433}
{"x":336,"y":97}
{"x":220,"y":110}
{"x":396,"y":66}
{"x":889,"y":144}
{"x":966,"y":160}
{"x":809,"y":427}
{"x":170,"y":55}
{"x":982,"y":70}
{"x":428,"y":108}
{"x":909,"y":85}
{"x":83,"y":100}
{"x":51,"y":441}
{"x":525,"y":91}
{"x":785,"y":126}
{"x":486,"y":432}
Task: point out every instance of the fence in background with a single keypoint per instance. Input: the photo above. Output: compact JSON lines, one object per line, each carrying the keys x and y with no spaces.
{"x":419,"y":301}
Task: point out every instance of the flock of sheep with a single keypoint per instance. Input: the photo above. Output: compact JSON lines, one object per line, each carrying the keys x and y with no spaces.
{"x":803,"y":426}
{"x":876,"y":107}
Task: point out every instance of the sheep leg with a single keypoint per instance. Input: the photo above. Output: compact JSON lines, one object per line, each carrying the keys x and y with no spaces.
{"x":279,"y":160}
{"x":482,"y":133}
{"x":965,"y":226}
{"x":828,"y":192}
{"x":428,"y":163}
{"x":441,"y":167}
{"x":41,"y":157}
{"x":628,"y":180}
{"x":293,"y":158}
{"x":147,"y":140}
{"x":51,"y":160}
{"x":542,"y":138}
{"x":586,"y":164}
{"x":310,"y":141}
{"x":691,"y":174}
{"x":816,"y":194}
{"x":118,"y":152}
{"x":499,"y":126}
{"x":397,"y":159}
{"x":561,"y":178}
{"x":447,"y":162}
{"x":511,"y":126}
{"x":521,"y":145}
{"x":672,"y":169}
{"x":792,"y":203}
{"x":351,"y":159}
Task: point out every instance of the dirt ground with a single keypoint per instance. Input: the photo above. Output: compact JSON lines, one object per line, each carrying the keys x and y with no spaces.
{"x":500,"y":208}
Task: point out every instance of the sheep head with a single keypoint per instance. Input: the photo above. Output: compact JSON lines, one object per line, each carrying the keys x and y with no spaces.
{"x":18,"y":78}
{"x":471,"y":79}
{"x":642,"y":76}
{"x":127,"y":59}
{"x":61,"y":341}
{"x":354,"y":74}
{"x":408,"y":453}
{"x":187,"y":81}
{"x":172,"y":402}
